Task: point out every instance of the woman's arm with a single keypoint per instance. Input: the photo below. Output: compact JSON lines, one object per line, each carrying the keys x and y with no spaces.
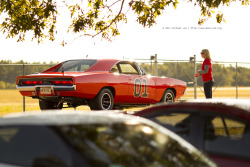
{"x":206,"y":67}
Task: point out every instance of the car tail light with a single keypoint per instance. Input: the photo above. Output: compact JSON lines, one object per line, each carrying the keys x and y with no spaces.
{"x":32,"y":82}
{"x":62,"y":82}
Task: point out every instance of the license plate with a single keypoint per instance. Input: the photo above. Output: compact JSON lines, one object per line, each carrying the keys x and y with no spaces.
{"x":45,"y":91}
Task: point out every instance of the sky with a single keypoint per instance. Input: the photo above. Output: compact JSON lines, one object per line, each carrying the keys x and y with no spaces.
{"x":176,"y":36}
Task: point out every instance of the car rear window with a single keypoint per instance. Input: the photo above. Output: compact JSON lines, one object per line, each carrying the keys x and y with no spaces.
{"x":76,"y":65}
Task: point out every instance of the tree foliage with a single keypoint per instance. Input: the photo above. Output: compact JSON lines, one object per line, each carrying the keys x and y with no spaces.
{"x":28,"y":15}
{"x":90,"y":18}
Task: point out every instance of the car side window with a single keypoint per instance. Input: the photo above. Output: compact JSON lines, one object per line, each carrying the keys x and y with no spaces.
{"x":129,"y":69}
{"x":115,"y":69}
{"x":31,"y":145}
{"x":227,"y":137}
{"x":177,"y":122}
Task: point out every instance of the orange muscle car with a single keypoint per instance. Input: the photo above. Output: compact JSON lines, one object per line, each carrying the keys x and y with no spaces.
{"x":102,"y":84}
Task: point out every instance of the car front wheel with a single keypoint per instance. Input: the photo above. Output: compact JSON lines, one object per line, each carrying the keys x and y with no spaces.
{"x":168,"y":96}
{"x":103,"y":101}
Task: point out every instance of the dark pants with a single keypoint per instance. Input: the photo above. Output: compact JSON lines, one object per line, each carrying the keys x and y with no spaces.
{"x":208,"y":89}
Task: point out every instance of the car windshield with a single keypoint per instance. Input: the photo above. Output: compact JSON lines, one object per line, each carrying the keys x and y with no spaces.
{"x":76,"y":65}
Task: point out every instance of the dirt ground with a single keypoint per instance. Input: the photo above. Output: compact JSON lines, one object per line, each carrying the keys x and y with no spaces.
{"x":12,"y":101}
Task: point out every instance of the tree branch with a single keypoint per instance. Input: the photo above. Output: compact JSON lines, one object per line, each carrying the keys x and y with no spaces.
{"x":112,"y":20}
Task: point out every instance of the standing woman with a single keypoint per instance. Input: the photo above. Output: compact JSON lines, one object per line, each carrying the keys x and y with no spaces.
{"x":206,"y":72}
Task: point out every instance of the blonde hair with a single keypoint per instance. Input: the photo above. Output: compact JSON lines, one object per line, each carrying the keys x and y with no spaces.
{"x":207,"y":54}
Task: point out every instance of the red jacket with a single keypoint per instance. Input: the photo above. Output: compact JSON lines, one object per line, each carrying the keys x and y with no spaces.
{"x":208,"y":76}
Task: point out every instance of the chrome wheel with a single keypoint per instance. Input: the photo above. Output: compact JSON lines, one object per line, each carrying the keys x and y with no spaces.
{"x":103,"y":101}
{"x":168,"y":96}
{"x":106,"y":101}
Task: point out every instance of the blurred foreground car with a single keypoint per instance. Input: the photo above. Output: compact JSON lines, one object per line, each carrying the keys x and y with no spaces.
{"x":101,"y":84}
{"x":77,"y":139}
{"x":221,"y":128}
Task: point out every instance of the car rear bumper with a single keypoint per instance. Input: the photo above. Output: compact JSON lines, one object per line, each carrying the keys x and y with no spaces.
{"x":53,"y":87}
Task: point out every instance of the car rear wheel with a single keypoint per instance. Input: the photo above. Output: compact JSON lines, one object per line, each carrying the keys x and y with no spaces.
{"x":168,"y":96}
{"x":103,"y":101}
{"x":47,"y":105}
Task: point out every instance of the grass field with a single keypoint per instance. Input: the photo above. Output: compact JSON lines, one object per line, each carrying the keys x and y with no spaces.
{"x":221,"y":92}
{"x":12,"y":101}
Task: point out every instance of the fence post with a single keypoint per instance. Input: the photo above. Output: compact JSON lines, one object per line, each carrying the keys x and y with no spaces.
{"x":23,"y":96}
{"x":177,"y":76}
{"x":236,"y":80}
{"x":195,"y":78}
{"x":151,"y":64}
{"x":156,"y":67}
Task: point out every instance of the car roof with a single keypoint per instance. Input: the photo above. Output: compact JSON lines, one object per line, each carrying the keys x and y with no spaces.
{"x":105,"y":64}
{"x":101,"y":64}
{"x":57,"y":117}
{"x":240,"y":103}
{"x":69,"y":117}
{"x":233,"y":107}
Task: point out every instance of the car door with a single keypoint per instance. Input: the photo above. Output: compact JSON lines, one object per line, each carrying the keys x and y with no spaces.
{"x":25,"y":145}
{"x":141,"y":89}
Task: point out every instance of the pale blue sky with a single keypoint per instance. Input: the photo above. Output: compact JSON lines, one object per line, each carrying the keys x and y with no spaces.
{"x":226,"y":41}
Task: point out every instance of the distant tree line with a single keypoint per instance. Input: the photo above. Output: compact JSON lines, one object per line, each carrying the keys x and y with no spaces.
{"x":223,"y":75}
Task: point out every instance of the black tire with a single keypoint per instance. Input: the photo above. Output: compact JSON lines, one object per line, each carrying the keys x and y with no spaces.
{"x":168,"y":96}
{"x":46,"y":105}
{"x":103,"y":101}
{"x":91,"y":105}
